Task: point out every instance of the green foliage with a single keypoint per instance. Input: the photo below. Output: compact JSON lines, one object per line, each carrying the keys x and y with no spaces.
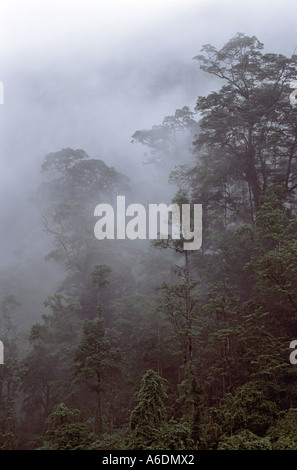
{"x":283,"y":433}
{"x":99,"y":279}
{"x":99,"y":275}
{"x":244,"y":440}
{"x":273,"y":262}
{"x":175,"y":435}
{"x":95,"y":362}
{"x":178,"y":303}
{"x":248,"y":409}
{"x":74,"y":185}
{"x":149,"y":415}
{"x":7,"y":441}
{"x":239,"y":155}
{"x":118,"y":440}
{"x":46,"y":369}
{"x":94,"y":354}
{"x":168,"y":142}
{"x":150,"y":429}
{"x":9,"y":373}
{"x":150,"y":410}
{"x":65,"y":430}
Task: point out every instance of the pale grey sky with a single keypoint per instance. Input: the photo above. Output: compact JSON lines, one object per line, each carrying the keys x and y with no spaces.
{"x":89,"y":73}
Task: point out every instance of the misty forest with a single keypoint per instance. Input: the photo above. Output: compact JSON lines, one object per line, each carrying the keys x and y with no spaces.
{"x":141,"y":344}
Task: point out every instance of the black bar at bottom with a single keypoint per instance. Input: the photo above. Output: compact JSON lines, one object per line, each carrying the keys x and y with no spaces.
{"x":149,"y":459}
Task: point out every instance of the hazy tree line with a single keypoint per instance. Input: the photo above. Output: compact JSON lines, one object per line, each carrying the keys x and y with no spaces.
{"x":145,"y":345}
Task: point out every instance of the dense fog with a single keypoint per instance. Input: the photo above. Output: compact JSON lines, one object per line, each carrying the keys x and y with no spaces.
{"x":88,"y":75}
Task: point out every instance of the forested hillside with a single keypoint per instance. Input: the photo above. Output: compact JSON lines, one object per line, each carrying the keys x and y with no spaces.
{"x":146,"y":345}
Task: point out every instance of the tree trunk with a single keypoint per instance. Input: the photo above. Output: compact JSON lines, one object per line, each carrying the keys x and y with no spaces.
{"x":188,"y":309}
{"x":98,"y":414}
